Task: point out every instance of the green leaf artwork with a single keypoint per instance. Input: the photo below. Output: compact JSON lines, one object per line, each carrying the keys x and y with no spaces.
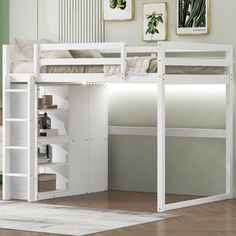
{"x":153,"y":21}
{"x":118,"y":4}
{"x":192,"y":13}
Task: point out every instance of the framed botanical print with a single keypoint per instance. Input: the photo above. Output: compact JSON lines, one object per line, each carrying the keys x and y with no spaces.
{"x":154,"y":21}
{"x":192,"y":17}
{"x":118,"y":9}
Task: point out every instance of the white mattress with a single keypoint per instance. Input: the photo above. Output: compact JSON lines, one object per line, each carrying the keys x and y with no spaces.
{"x":28,"y":67}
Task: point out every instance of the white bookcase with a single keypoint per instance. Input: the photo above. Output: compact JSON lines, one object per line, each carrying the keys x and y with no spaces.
{"x":59,"y":164}
{"x":79,"y":152}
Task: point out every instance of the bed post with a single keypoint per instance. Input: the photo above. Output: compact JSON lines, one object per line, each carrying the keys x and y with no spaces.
{"x":161,"y":129}
{"x":33,"y":128}
{"x":31,"y":137}
{"x":6,"y":113}
{"x":229,"y":124}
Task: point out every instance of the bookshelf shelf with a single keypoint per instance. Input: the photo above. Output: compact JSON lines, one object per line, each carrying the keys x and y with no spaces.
{"x":59,"y":139}
{"x":55,"y":164}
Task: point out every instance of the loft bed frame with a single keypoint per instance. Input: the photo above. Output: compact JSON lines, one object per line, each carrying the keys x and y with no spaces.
{"x":163,"y":51}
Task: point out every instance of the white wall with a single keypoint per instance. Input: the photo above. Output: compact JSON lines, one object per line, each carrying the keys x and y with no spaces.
{"x":28,"y":23}
{"x":48,"y":19}
{"x":23,"y":19}
{"x":222,"y":18}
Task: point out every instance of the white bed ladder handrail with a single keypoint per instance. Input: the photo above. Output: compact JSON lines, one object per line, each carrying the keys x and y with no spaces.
{"x":8,"y":146}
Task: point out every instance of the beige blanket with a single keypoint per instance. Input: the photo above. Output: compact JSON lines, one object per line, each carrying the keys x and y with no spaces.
{"x":135,"y":66}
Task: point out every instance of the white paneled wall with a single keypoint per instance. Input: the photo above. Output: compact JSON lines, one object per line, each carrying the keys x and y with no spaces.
{"x":81,"y":21}
{"x":48,"y":23}
{"x":63,"y":20}
{"x":23,"y":19}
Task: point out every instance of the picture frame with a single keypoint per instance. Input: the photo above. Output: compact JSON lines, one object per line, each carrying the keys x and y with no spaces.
{"x":155,"y":21}
{"x":118,"y":10}
{"x":191,"y":21}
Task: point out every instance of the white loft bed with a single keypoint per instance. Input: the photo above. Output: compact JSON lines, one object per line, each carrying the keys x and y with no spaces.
{"x":23,"y":185}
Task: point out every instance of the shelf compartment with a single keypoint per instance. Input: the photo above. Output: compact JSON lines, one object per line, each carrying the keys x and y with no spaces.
{"x":52,"y":110}
{"x":60,"y":139}
{"x":53,"y":194}
{"x":55,"y":164}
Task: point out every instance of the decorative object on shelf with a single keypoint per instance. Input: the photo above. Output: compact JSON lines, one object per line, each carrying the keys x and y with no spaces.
{"x":40,"y":117}
{"x":192,"y":17}
{"x":46,"y":182}
{"x":46,"y":122}
{"x":40,"y":103}
{"x":50,"y":107}
{"x":154,"y":21}
{"x":118,"y":9}
{"x":47,"y":99}
{"x":44,"y":126}
{"x":44,"y":154}
{"x":46,"y":102}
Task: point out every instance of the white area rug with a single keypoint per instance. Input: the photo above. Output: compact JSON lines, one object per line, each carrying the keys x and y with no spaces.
{"x":69,"y":220}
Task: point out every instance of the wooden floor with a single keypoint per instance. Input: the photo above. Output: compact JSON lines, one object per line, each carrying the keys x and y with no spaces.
{"x":215,"y":219}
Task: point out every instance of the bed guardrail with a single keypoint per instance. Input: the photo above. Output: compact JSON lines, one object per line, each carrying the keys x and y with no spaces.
{"x":215,"y":61}
{"x":167,"y":54}
{"x":120,"y":47}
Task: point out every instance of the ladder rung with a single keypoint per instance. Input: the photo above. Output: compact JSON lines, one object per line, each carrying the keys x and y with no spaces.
{"x":16,"y":147}
{"x":16,"y":175}
{"x":16,"y":120}
{"x":16,"y":90}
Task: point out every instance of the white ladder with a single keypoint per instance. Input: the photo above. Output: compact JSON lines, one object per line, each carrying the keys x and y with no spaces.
{"x":29,"y":146}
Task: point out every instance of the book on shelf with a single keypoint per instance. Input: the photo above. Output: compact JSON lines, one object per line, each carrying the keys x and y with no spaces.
{"x":43,"y":161}
{"x":46,"y":102}
{"x":44,"y":154}
{"x":45,"y":107}
{"x":48,"y":132}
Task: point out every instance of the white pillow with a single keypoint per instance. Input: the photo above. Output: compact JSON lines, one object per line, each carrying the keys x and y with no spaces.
{"x":26,"y":48}
{"x":23,"y":67}
{"x":18,"y":56}
{"x":86,"y":54}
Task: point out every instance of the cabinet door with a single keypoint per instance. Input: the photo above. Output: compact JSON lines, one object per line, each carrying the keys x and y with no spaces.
{"x":79,"y":142}
{"x":98,"y":142}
